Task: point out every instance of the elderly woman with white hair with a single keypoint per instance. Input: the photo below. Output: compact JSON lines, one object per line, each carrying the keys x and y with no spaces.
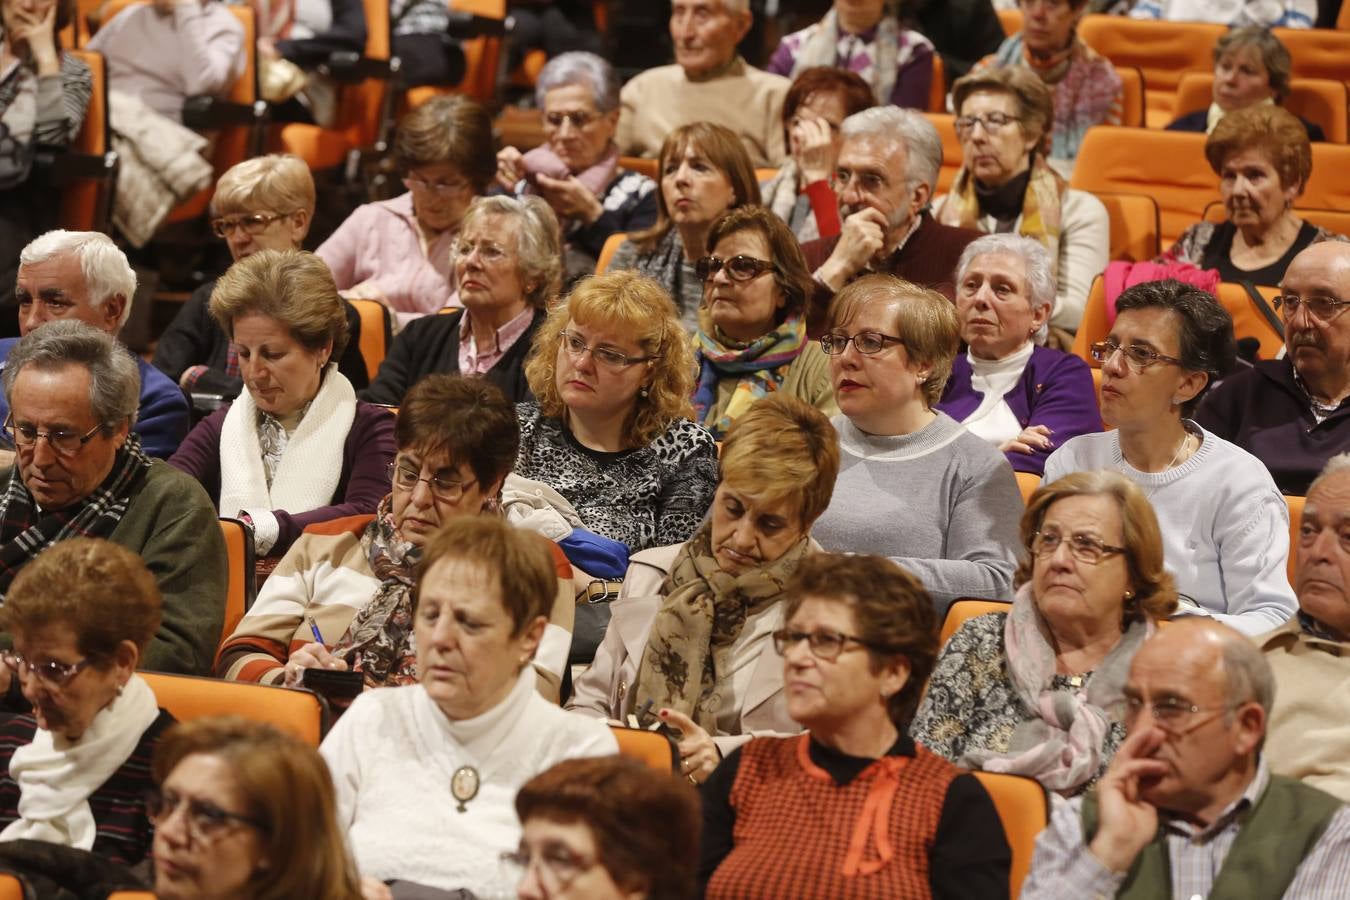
{"x":508,"y":266}
{"x":576,"y":169}
{"x":1024,"y":399}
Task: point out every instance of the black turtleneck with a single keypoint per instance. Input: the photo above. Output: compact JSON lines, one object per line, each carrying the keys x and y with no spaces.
{"x":1004,"y":202}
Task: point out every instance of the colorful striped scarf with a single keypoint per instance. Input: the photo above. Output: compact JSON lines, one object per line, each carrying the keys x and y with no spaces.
{"x":759,"y":368}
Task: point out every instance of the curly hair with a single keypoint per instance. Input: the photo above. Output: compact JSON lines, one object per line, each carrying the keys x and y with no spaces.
{"x":631,"y":304}
{"x":1274,"y":132}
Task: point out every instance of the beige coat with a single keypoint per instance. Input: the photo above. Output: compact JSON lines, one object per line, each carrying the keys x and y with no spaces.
{"x":1308,"y":735}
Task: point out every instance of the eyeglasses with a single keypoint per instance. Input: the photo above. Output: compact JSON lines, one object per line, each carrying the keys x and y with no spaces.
{"x":1170,"y":713}
{"x":867,"y":343}
{"x":26,"y":436}
{"x":254,"y":224}
{"x":558,"y":866}
{"x":578,"y":118}
{"x":1137,"y":357}
{"x":205,"y":820}
{"x":488,"y":252}
{"x":826,"y":645}
{"x":441,"y":189}
{"x":993,"y":123}
{"x":51,"y":672}
{"x":1324,"y":309}
{"x":868,"y":182}
{"x":605,"y":356}
{"x":1083,"y":547}
{"x":739,"y":268}
{"x":442,"y":489}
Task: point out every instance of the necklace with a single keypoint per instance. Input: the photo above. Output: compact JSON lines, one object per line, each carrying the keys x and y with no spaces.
{"x":1185,"y":442}
{"x":1126,"y":465}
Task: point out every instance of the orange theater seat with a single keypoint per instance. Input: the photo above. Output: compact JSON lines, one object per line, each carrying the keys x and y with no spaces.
{"x":1134,"y":101}
{"x":642,"y":165}
{"x":1134,"y":226}
{"x":608,"y":250}
{"x":1317,"y":52}
{"x":1011,"y":20}
{"x":945,"y":123}
{"x":1295,"y":504}
{"x":376,"y":329}
{"x":482,"y":55}
{"x":87,"y":173}
{"x":937,"y":89}
{"x":301,"y":713}
{"x":1315,"y":99}
{"x":650,"y":747}
{"x":1028,"y":483}
{"x":1024,"y":809}
{"x":241,"y":589}
{"x":1329,"y":185}
{"x":962,"y":611}
{"x":1163,"y":51}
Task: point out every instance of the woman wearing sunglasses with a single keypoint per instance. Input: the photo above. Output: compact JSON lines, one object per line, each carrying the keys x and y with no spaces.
{"x":913,"y":484}
{"x":751,"y":337}
{"x":611,"y":430}
{"x":853,"y":807}
{"x":74,"y":766}
{"x":1031,"y":691}
{"x":242,"y":810}
{"x":1225,"y":527}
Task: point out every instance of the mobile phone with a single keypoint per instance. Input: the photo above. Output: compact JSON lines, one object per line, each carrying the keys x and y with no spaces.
{"x":336,"y":685}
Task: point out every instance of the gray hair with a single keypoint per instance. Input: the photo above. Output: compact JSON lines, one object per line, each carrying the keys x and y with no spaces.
{"x":1039,"y":266}
{"x":1248,"y":673}
{"x":1274,"y":54}
{"x":1338,"y":463}
{"x":587,"y":70}
{"x":114,"y":379}
{"x":901,"y":126}
{"x":538,"y":241}
{"x":106,"y":270}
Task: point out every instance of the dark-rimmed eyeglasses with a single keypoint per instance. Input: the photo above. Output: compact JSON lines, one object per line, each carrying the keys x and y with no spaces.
{"x":993,"y":123}
{"x":1324,"y":309}
{"x":739,"y":268}
{"x":443,"y":489}
{"x":1083,"y":547}
{"x":254,"y":224}
{"x":1137,"y":357}
{"x":26,"y":436}
{"x":205,"y":820}
{"x":605,"y":356}
{"x":578,"y":119}
{"x":865,"y":342}
{"x":826,"y":645}
{"x":558,"y":866}
{"x":53,"y":673}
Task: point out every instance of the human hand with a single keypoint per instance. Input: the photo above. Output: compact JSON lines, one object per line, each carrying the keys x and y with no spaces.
{"x":36,"y":27}
{"x":6,"y":458}
{"x":366,"y":290}
{"x":311,"y":656}
{"x":373,"y":889}
{"x":863,"y":236}
{"x":812,"y":146}
{"x":1127,"y":822}
{"x":510,"y":167}
{"x":570,"y":198}
{"x":1032,"y":439}
{"x":699,"y":756}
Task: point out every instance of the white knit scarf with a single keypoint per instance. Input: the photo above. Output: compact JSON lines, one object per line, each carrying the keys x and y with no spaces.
{"x":821,"y":48}
{"x":310,"y":466}
{"x":56,"y":776}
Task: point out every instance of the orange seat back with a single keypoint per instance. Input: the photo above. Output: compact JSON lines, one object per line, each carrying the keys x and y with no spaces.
{"x":1317,"y":52}
{"x":301,"y":713}
{"x":11,"y":888}
{"x":945,"y":123}
{"x":766,"y":173}
{"x":1028,"y":483}
{"x":1295,"y":504}
{"x":1134,"y":100}
{"x":375,"y":328}
{"x":962,"y":611}
{"x":1134,"y":226}
{"x":607,"y":252}
{"x":1328,"y":186}
{"x":482,"y":55}
{"x":650,"y":747}
{"x":241,"y":587}
{"x":1011,"y":20}
{"x":1024,"y":809}
{"x":1163,"y":51}
{"x":1343,"y":18}
{"x":937,"y":90}
{"x":85,"y":204}
{"x":642,"y":165}
{"x":1315,"y":99}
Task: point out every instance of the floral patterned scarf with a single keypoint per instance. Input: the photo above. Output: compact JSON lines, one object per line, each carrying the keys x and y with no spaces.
{"x":758,"y":367}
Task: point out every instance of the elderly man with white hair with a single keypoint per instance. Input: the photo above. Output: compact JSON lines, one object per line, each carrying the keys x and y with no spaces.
{"x":709,"y":82}
{"x":82,"y":275}
{"x":1024,"y":399}
{"x":884,"y":178}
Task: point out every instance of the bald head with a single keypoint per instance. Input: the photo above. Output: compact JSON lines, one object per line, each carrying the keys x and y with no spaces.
{"x":1319,"y":346}
{"x":1216,"y":655}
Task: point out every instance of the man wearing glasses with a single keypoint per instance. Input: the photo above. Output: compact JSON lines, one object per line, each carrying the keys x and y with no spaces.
{"x":1189,"y":807}
{"x":1291,"y":413}
{"x":83,"y":276}
{"x":79,"y":471}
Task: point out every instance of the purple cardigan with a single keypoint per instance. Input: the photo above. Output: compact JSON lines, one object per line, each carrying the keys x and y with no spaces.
{"x":1055,"y":390}
{"x":366,"y":455}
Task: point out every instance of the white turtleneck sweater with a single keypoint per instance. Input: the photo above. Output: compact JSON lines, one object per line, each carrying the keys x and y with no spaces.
{"x":392,"y":755}
{"x":993,"y":419}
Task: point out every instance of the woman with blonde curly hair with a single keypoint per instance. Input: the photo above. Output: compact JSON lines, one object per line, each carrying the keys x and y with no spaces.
{"x":1028,"y":691}
{"x":610,"y":429}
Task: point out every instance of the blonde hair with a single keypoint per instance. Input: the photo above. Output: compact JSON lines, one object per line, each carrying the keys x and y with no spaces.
{"x":925,"y":322}
{"x":634,"y":305}
{"x":278,"y":182}
{"x":782,"y":447}
{"x":292,"y":286}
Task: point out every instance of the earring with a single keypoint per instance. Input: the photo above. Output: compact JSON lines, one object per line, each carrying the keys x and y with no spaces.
{"x":1129,"y":595}
{"x":643,"y":392}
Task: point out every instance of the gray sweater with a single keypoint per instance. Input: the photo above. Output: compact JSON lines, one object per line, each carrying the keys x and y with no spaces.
{"x":940,"y":502}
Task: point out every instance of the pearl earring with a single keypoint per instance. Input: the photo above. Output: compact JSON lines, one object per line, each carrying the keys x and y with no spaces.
{"x":643,"y":392}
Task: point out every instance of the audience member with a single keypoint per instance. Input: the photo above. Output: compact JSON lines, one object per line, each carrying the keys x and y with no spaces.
{"x":457,"y":440}
{"x":689,"y":635}
{"x":1086,"y":89}
{"x":243,"y":810}
{"x":83,"y":276}
{"x":263,"y":203}
{"x":1188,"y":807}
{"x":577,"y":169}
{"x":1006,"y":183}
{"x":962,"y":31}
{"x":913,"y":485}
{"x":168,"y":50}
{"x":613,"y":372}
{"x":75,"y":769}
{"x":1267,"y":14}
{"x":420,"y":38}
{"x":1288,"y":412}
{"x":817,"y":104}
{"x":704,"y":173}
{"x":1225,"y":527}
{"x":554,"y":27}
{"x":1024,"y":399}
{"x":860,"y":37}
{"x":887,"y":171}
{"x":751,"y":338}
{"x":858,"y":645}
{"x":437,"y":765}
{"x":606,"y":828}
{"x":44,"y":94}
{"x":508,"y":266}
{"x":709,"y":82}
{"x":1251,"y":67}
{"x":1263,"y":159}
{"x":1305,"y":738}
{"x":400,"y":251}
{"x":1031,"y":691}
{"x":80,"y":472}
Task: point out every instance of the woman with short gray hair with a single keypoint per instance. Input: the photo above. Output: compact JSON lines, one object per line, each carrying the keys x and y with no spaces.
{"x":577,"y":168}
{"x":1024,"y":399}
